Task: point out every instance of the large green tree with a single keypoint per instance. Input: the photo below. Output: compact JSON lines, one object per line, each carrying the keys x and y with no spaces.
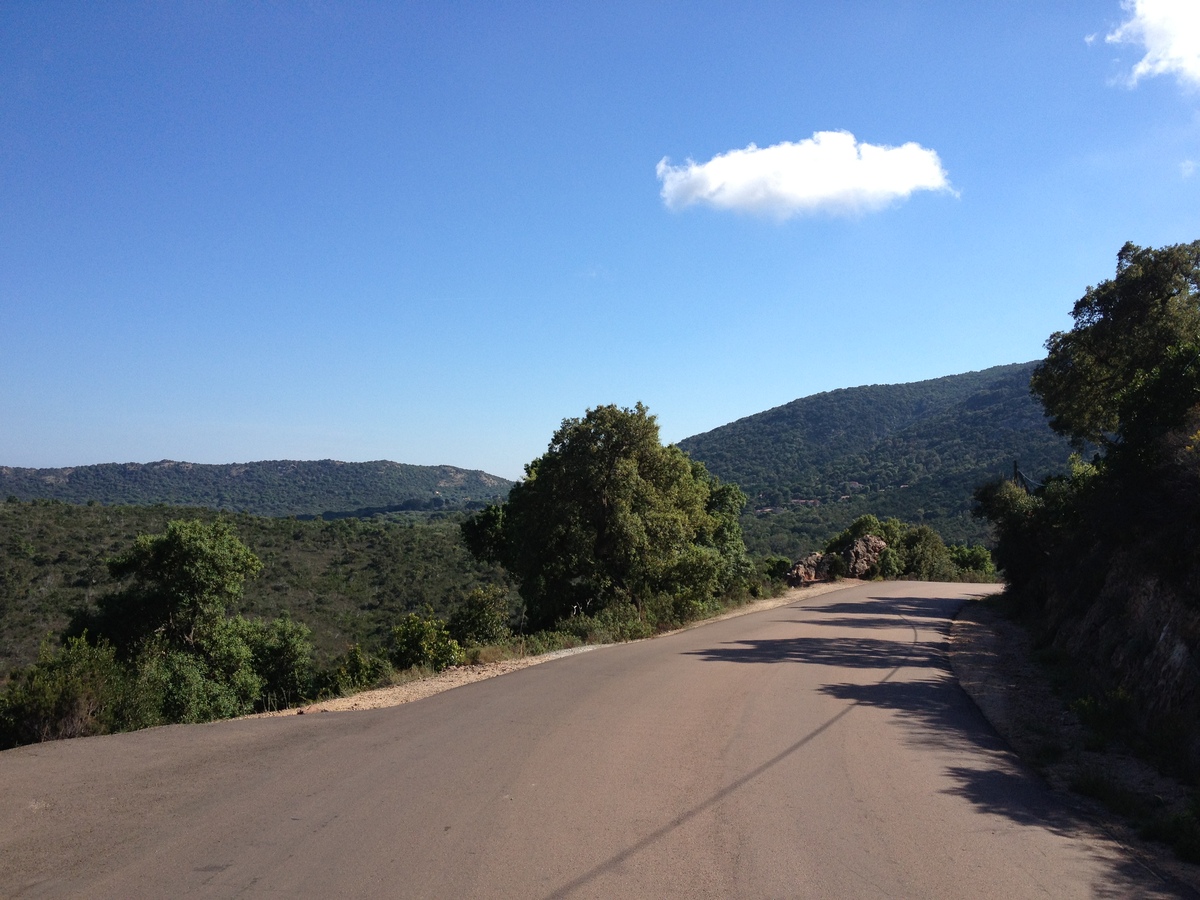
{"x":1125,"y":378}
{"x":1127,"y":355}
{"x":180,"y":585}
{"x":610,"y":516}
{"x":170,"y":622}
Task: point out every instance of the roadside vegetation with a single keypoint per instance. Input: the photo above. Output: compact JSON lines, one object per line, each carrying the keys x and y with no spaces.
{"x":163,"y":647}
{"x":609,"y":525}
{"x":1103,"y":562}
{"x":348,"y":580}
{"x":902,"y":551}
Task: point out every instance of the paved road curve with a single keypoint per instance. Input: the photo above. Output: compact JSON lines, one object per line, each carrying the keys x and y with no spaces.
{"x":817,"y":750}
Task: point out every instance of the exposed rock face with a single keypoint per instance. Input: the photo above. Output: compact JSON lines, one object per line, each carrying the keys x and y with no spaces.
{"x":859,"y":558}
{"x":863,"y":554}
{"x":1141,"y":637}
{"x":814,"y":567}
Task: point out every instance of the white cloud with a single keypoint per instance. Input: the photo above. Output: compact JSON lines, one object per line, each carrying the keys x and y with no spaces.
{"x":1187,"y":168}
{"x":830,"y":171}
{"x":1169,"y":30}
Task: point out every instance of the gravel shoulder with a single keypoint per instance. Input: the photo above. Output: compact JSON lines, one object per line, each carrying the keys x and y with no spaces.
{"x":993,"y":660}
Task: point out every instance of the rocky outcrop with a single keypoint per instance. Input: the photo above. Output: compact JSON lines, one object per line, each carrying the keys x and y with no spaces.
{"x":814,"y":567}
{"x":863,"y":554}
{"x":1141,"y":639}
{"x":856,"y":561}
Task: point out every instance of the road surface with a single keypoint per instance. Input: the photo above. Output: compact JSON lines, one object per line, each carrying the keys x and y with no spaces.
{"x":821,"y":749}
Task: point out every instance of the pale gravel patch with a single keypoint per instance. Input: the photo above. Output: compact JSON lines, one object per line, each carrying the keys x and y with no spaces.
{"x":457,"y":676}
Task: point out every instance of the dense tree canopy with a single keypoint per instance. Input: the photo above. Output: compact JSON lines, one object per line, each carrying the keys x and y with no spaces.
{"x":1127,"y":357}
{"x":610,"y":516}
{"x":911,"y":451}
{"x":182,"y":584}
{"x":1107,"y":558}
{"x":1125,"y":378}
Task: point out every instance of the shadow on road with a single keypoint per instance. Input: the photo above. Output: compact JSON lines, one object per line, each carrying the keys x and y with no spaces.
{"x":907,"y":607}
{"x":937,"y":714}
{"x":934,"y":712}
{"x":844,"y":652}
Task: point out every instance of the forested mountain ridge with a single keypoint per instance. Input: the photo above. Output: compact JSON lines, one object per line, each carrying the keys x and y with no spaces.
{"x":915,"y":451}
{"x":268,"y":488}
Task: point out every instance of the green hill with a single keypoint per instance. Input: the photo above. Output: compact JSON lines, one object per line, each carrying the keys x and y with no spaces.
{"x":915,"y":451}
{"x":269,"y":488}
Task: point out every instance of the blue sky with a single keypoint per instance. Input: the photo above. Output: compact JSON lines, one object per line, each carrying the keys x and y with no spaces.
{"x":428,"y":233}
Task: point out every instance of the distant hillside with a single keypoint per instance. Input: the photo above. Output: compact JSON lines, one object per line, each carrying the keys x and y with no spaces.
{"x":915,"y":451}
{"x":271,"y":488}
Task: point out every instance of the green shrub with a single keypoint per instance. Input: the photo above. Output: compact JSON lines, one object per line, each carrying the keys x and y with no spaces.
{"x":774,"y":568}
{"x":219,"y":682}
{"x":355,"y":670}
{"x":481,"y":618}
{"x":71,"y":691}
{"x":925,"y":555}
{"x":1181,"y":831}
{"x":890,"y":564}
{"x":547,"y":642}
{"x":663,"y":612}
{"x":976,"y":559}
{"x":282,"y":656}
{"x":621,"y":622}
{"x":1110,"y":716}
{"x":423,"y":641}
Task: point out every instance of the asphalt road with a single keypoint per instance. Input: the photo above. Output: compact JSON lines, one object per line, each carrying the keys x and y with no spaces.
{"x":817,"y":750}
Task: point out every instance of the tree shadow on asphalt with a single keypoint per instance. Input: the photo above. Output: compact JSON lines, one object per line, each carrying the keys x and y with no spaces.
{"x":870,"y":622}
{"x":937,"y":713}
{"x":946,"y":710}
{"x":847,"y":652}
{"x":851,"y":652}
{"x":881,"y":612}
{"x":915,"y":607}
{"x":1021,"y":797}
{"x":935,"y":705}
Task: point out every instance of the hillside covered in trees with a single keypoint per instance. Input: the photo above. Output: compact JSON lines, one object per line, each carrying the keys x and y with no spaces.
{"x":267,"y":488}
{"x":349,"y":580}
{"x":913,"y":451}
